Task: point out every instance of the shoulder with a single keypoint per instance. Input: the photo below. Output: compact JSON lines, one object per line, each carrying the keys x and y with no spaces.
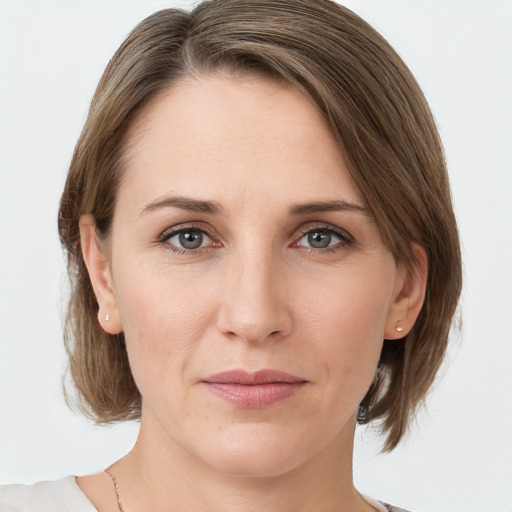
{"x":61,"y":495}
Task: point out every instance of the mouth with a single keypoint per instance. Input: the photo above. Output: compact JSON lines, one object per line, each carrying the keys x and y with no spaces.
{"x":254,"y":390}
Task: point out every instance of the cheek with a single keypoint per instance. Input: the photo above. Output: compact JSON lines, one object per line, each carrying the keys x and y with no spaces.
{"x":349,"y":328}
{"x":163,"y":316}
{"x":352,"y":308}
{"x":152,"y":297}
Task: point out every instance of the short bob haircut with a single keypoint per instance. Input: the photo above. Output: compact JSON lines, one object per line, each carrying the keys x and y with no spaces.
{"x":378,"y":114}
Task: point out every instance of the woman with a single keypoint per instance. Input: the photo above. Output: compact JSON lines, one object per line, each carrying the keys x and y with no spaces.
{"x":263,"y":252}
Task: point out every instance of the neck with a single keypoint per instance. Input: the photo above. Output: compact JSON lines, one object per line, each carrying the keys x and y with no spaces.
{"x":162,"y":476}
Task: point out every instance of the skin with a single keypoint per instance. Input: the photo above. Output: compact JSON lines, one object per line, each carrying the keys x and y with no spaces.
{"x":255,"y":295}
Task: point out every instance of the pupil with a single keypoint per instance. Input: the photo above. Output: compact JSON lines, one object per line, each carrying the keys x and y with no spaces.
{"x":319,"y":239}
{"x":191,"y":239}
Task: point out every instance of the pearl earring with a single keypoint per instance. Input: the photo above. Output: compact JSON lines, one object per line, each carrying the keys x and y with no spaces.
{"x":107,"y":318}
{"x":399,"y":328}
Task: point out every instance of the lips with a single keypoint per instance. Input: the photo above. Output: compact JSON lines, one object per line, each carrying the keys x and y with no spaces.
{"x":254,"y":390}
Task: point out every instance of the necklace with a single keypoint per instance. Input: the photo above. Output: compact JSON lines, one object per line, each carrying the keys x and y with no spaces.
{"x":116,"y":486}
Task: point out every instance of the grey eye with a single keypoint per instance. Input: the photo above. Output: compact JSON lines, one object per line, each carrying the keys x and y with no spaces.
{"x":189,"y":239}
{"x":320,"y":239}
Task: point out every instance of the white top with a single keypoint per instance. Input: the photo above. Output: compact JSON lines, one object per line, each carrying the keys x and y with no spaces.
{"x":64,"y":495}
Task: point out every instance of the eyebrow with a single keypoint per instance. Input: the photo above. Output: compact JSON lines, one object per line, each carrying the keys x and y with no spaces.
{"x":214,"y":208}
{"x":326,"y":206}
{"x":185,"y":203}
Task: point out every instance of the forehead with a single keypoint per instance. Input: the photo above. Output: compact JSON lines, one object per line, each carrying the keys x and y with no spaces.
{"x":224,"y":135}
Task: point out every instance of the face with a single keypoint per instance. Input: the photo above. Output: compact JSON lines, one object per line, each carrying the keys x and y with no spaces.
{"x":250,"y":282}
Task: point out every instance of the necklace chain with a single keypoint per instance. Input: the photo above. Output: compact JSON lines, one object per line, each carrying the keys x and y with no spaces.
{"x":116,"y":486}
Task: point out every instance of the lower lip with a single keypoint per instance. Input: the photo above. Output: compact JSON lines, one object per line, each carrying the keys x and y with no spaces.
{"x":256,"y":396}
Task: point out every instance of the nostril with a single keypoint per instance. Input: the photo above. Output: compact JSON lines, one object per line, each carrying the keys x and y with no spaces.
{"x":248,"y":337}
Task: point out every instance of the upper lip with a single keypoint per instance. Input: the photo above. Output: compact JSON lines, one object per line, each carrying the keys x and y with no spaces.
{"x":265,"y":376}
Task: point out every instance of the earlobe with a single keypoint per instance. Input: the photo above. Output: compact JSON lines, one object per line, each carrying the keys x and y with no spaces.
{"x":100,"y":275}
{"x":409,"y":295}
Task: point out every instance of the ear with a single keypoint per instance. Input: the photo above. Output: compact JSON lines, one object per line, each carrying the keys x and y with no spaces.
{"x":409,"y":295}
{"x":98,"y":266}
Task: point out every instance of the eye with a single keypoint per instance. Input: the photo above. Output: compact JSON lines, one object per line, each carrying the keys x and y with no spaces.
{"x":188,"y":239}
{"x":323,"y":238}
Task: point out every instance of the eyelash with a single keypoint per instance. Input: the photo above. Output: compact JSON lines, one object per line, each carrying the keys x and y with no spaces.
{"x":346,"y":240}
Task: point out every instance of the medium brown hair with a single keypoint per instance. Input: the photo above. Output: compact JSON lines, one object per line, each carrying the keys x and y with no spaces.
{"x":385,"y":130}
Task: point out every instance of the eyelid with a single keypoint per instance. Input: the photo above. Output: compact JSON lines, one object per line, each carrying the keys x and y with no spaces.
{"x":183,"y":227}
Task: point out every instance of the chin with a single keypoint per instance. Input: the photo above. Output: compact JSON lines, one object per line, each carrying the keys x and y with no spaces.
{"x":258,"y":451}
{"x":251,"y":465}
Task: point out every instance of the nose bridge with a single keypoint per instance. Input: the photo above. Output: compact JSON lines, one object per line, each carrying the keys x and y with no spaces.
{"x":254,"y":297}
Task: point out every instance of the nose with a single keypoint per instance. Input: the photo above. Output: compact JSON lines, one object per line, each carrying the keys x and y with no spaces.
{"x":255,"y":304}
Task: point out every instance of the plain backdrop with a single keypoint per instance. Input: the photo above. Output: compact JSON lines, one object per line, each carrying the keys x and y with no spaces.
{"x":52,"y":53}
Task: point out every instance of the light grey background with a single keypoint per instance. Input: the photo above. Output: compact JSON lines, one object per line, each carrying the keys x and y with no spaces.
{"x":52,"y":53}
